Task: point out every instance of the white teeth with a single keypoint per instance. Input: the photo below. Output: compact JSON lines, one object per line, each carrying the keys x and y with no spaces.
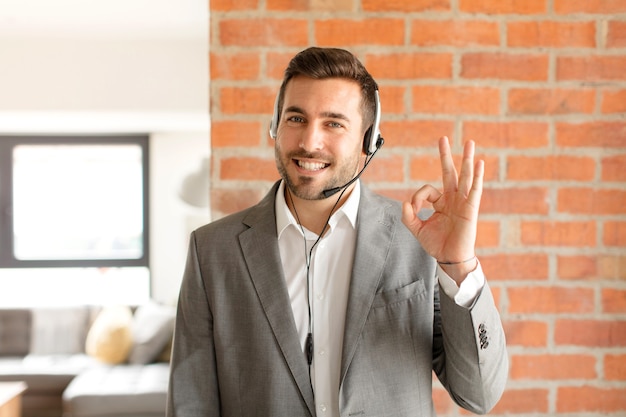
{"x":311,"y":166}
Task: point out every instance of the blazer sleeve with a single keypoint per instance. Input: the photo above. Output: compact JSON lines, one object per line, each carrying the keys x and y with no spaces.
{"x":470,"y":356}
{"x":193,"y":388}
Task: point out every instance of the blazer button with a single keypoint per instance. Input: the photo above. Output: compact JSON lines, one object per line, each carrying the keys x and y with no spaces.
{"x":482,"y":334}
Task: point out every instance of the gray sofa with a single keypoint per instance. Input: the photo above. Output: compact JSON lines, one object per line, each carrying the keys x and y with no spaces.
{"x":82,"y":361}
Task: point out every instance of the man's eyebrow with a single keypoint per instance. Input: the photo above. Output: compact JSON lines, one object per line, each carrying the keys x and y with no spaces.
{"x":329,"y":114}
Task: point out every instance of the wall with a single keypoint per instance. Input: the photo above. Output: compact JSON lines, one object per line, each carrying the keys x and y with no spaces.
{"x":540,"y":85}
{"x":78,"y":83}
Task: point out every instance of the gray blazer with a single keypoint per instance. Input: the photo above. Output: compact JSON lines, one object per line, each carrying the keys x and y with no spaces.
{"x":236,"y":348}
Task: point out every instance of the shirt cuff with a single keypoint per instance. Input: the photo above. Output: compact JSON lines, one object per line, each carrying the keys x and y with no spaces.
{"x":466,"y":294}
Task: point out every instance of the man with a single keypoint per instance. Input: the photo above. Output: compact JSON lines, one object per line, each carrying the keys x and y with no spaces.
{"x":319,"y":300}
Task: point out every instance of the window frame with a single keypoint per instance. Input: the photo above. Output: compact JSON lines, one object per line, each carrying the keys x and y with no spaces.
{"x":8,"y":143}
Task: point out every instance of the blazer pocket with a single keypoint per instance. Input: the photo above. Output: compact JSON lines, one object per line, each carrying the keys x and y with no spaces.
{"x":397,"y":295}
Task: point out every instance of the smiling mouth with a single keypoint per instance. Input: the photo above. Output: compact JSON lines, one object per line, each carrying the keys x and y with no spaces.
{"x":311,"y":166}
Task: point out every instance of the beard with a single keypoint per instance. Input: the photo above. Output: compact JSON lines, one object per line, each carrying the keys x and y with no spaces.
{"x":303,"y":186}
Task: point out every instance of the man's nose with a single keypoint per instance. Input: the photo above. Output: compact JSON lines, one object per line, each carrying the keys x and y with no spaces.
{"x":312,"y":138}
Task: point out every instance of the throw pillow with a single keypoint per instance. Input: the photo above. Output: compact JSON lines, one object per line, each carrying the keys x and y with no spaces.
{"x":110,"y":337}
{"x":153,"y":327}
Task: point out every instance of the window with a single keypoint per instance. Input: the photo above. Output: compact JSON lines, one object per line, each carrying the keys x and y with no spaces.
{"x":75,"y":202}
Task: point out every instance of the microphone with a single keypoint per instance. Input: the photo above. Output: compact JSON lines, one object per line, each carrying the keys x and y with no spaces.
{"x":332,"y":191}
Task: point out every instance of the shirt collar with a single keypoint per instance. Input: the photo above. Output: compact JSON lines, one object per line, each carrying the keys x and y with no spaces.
{"x":284,"y":217}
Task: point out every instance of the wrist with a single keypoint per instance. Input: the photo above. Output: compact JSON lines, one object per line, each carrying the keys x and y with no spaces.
{"x":458,"y":262}
{"x":459,"y":270}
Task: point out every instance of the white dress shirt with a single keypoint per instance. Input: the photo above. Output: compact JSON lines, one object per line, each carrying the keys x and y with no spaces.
{"x":329,"y":280}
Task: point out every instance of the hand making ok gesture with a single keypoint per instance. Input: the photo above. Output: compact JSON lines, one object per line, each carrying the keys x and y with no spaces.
{"x":449,"y":234}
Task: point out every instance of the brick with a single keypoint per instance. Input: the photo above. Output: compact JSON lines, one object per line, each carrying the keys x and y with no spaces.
{"x":385,"y":169}
{"x":590,"y":399}
{"x":508,"y":135}
{"x":442,"y":401}
{"x":590,"y":333}
{"x":578,"y":267}
{"x":425,"y":168}
{"x":230,"y":200}
{"x":522,"y":401}
{"x":591,"y":134}
{"x":226,"y":133}
{"x":415,"y":133}
{"x":248,"y":169}
{"x":247,"y":100}
{"x":550,"y":300}
{"x":514,"y":201}
{"x":591,"y":201}
{"x":310,"y":5}
{"x":263,"y":32}
{"x":405,"y":6}
{"x":402,"y":66}
{"x":276,"y":64}
{"x":614,"y":233}
{"x":551,"y":367}
{"x":616,"y":35}
{"x":344,"y":32}
{"x":232,"y":5}
{"x":550,"y":168}
{"x":612,"y":267}
{"x":589,"y":6}
{"x":613,"y":101}
{"x":563,"y":233}
{"x":239,"y":66}
{"x":526,"y":333}
{"x":462,"y":33}
{"x":392,"y":100}
{"x":613,"y":168}
{"x":504,"y":66}
{"x":503,"y":6}
{"x":513,"y":267}
{"x":592,"y":267}
{"x":533,"y":34}
{"x":460,"y":100}
{"x":615,"y":367}
{"x":398,"y":194}
{"x":551,"y":101}
{"x":488,"y":234}
{"x":590,"y":68}
{"x":428,"y":167}
{"x":613,"y":300}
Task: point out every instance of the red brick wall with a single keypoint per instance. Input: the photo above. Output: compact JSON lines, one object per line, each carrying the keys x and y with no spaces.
{"x":540,"y":85}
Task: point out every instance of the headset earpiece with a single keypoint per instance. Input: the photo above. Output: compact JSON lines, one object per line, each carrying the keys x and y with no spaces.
{"x":275,"y":119}
{"x":372,"y":140}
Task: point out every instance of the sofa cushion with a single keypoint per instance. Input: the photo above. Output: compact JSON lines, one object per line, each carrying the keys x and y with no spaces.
{"x":15,"y":332}
{"x":118,"y":391}
{"x":110,"y":337}
{"x":44,"y":373}
{"x":153,"y":327}
{"x":49,"y":323}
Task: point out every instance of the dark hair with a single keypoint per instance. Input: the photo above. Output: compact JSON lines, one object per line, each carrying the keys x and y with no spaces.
{"x":321,"y":63}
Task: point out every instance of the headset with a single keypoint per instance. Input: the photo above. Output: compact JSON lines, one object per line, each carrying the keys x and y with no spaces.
{"x":371,"y":141}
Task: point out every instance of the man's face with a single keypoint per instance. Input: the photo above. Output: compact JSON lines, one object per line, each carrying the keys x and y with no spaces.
{"x":320,"y":135}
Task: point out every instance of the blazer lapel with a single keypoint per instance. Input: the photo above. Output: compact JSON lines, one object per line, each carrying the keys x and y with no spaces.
{"x":374,"y":234}
{"x":259,"y":245}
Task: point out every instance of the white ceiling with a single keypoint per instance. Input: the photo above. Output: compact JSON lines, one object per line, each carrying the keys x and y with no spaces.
{"x":104,"y":18}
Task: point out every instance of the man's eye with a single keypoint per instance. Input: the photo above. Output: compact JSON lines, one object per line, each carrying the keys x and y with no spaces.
{"x":295,"y":119}
{"x":334,"y":124}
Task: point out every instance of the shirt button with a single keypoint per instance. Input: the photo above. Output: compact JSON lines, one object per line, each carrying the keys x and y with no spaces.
{"x":322,"y":352}
{"x":320,"y":296}
{"x":323,"y":408}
